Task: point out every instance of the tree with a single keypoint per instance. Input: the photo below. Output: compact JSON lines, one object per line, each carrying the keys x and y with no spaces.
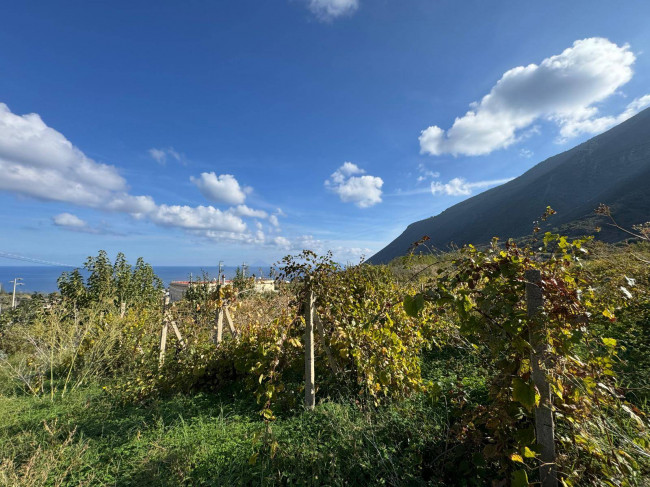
{"x":111,"y":285}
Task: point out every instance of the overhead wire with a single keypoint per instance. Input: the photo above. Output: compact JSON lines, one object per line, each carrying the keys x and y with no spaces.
{"x":8,"y":255}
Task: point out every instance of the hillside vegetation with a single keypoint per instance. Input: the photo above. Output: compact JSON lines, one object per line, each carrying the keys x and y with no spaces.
{"x":611,"y":168}
{"x":423,"y":374}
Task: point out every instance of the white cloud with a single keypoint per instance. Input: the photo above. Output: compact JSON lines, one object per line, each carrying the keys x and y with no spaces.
{"x":364,"y":191}
{"x":256,"y":238}
{"x":221,"y":189}
{"x":526,"y":153}
{"x":426,"y":173}
{"x":460,"y":187}
{"x":137,"y":206}
{"x":273,"y":220}
{"x":563,"y":89}
{"x":39,"y":162}
{"x":342,"y":251}
{"x":69,"y":220}
{"x":197,"y":218}
{"x":160,"y":155}
{"x":245,"y":211}
{"x":572,"y":127}
{"x":282,"y":242}
{"x":327,"y":10}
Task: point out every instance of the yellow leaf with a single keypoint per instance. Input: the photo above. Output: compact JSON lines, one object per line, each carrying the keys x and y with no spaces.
{"x":528,"y":453}
{"x":609,"y":342}
{"x":515,"y":457}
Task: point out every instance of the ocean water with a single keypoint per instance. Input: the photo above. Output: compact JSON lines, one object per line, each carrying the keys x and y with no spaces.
{"x":42,"y":279}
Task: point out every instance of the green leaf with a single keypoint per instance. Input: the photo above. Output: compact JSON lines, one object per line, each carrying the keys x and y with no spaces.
{"x":519,"y":478}
{"x":413,"y":304}
{"x":524,"y":393}
{"x":525,"y":436}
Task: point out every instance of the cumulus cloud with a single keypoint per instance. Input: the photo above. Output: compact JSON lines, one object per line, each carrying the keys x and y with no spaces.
{"x":589,"y":123}
{"x":197,"y":218}
{"x":243,"y":210}
{"x":282,"y":242}
{"x":137,"y":206}
{"x":220,"y":189}
{"x":460,"y":187}
{"x":68,"y":220}
{"x":39,"y":162}
{"x":353,"y":186}
{"x":327,"y":10}
{"x":564,"y":89}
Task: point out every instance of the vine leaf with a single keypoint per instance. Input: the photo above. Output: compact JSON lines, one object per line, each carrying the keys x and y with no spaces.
{"x":519,"y":478}
{"x":413,"y":304}
{"x":524,"y":393}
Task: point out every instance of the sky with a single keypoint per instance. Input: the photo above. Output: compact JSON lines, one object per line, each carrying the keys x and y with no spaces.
{"x":198,"y":131}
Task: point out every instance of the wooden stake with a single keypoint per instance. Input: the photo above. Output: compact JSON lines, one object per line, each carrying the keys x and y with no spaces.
{"x":218,"y":336}
{"x":544,"y":426}
{"x":231,"y":325}
{"x":163,"y":335}
{"x":177,"y":332}
{"x":163,"y":344}
{"x":310,"y":383}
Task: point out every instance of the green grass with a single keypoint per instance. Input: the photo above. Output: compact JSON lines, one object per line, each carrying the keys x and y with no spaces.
{"x":86,"y":439}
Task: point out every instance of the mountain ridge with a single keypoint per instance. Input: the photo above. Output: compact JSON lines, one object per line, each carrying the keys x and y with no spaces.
{"x":611,"y":168}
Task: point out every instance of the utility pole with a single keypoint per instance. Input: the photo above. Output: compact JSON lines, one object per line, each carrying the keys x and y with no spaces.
{"x":244,"y":268}
{"x":16,"y":283}
{"x":220,"y":269}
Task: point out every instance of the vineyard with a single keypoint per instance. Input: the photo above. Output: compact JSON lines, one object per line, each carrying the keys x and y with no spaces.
{"x":504,"y":365}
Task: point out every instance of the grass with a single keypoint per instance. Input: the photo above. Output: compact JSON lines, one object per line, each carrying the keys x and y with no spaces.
{"x":87,"y":439}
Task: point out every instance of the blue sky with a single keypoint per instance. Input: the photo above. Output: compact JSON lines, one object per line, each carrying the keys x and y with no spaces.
{"x":193,"y":132}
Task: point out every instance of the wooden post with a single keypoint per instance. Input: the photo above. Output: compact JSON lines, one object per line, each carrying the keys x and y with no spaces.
{"x":177,"y":332}
{"x":218,"y":320}
{"x":310,"y":384}
{"x":122,"y":309}
{"x":231,"y":325}
{"x":163,"y":335}
{"x":544,"y":427}
{"x":218,"y":336}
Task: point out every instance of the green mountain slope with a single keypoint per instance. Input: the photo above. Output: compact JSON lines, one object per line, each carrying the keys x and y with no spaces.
{"x":611,"y":168}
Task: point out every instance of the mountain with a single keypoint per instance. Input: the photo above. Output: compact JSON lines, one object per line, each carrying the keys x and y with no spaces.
{"x":612,"y":168}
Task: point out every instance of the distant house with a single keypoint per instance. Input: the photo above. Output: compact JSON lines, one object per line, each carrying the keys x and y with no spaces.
{"x":264,"y":285}
{"x":177,"y":289}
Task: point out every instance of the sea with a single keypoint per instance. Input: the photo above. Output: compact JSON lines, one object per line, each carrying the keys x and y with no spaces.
{"x":42,"y":279}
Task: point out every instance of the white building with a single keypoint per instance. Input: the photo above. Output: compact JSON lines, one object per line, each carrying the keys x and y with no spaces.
{"x":177,"y":289}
